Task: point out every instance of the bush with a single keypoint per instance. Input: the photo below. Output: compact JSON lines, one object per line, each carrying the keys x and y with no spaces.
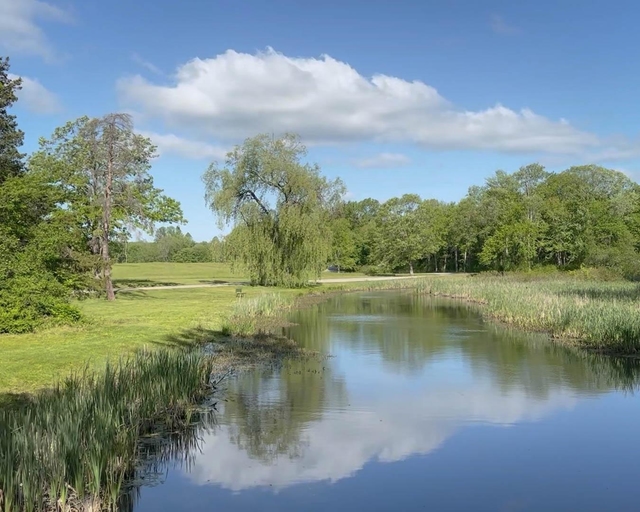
{"x":29,"y":301}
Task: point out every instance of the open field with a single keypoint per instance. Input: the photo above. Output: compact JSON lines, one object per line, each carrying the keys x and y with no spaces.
{"x":135,"y":275}
{"x":166,"y":274}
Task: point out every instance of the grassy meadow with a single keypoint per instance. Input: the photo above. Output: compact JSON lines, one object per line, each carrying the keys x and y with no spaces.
{"x":169,"y":273}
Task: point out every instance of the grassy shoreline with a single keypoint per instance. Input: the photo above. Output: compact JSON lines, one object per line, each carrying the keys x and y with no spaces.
{"x":577,"y":310}
{"x":595,"y":315}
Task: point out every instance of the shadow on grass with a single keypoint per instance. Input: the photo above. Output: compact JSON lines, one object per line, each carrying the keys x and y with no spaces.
{"x":237,"y":352}
{"x":134,"y":294}
{"x":9,"y":401}
{"x":138,"y":283}
{"x":213,"y":281}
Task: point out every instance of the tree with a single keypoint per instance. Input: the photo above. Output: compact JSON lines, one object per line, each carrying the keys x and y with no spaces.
{"x":279,"y":207}
{"x":170,"y":241}
{"x":40,"y":251}
{"x":344,"y":250}
{"x":11,"y":137}
{"x":105,"y":165}
{"x":400,"y":242}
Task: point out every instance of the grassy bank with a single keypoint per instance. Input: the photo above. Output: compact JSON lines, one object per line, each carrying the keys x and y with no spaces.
{"x":137,"y":319}
{"x":593,"y":314}
{"x":73,"y":447}
{"x":152,"y":319}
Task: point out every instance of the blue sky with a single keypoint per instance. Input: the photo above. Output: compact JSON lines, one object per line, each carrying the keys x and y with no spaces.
{"x":394,"y":97}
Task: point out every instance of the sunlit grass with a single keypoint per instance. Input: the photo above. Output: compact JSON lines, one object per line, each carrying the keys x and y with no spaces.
{"x":111,"y":329}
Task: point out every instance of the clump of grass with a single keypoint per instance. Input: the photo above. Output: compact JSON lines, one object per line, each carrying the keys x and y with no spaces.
{"x":589,"y":313}
{"x":74,"y":446}
{"x":257,"y":315}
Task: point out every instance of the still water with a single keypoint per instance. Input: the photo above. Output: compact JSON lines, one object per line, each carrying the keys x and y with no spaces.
{"x":421,"y":406}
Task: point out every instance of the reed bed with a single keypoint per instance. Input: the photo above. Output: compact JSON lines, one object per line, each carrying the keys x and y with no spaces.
{"x":592,"y":314}
{"x":73,"y":447}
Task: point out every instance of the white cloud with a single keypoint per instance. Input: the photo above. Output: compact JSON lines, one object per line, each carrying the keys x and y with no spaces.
{"x":337,"y":445}
{"x":170,"y":143}
{"x":146,"y":64}
{"x":500,"y":26}
{"x":19,"y":31}
{"x":235,"y":95}
{"x":36,"y":97}
{"x":383,"y":161}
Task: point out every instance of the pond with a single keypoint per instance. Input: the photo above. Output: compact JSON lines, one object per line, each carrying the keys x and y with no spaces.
{"x":421,"y":406}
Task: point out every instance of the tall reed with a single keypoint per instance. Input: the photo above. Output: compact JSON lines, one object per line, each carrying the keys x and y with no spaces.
{"x":592,"y":314}
{"x":74,"y":446}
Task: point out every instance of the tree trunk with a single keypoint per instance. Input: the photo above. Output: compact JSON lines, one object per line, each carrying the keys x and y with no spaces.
{"x":106,"y":217}
{"x":411,"y":267}
{"x":456,"y":255}
{"x":446,"y":255}
{"x":464,"y":261}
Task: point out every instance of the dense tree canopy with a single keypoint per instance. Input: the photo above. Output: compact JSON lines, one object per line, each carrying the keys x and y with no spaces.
{"x":586,"y":215}
{"x":41,"y":259}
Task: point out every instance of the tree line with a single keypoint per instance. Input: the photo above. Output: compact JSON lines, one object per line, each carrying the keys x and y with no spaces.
{"x":170,"y":244}
{"x":290,"y":222}
{"x":583,"y":216}
{"x":68,"y":211}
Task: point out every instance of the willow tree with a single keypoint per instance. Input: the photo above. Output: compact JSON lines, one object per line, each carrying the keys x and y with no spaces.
{"x":279,"y":207}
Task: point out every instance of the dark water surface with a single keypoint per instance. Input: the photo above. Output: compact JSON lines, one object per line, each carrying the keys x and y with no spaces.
{"x":423,"y":406}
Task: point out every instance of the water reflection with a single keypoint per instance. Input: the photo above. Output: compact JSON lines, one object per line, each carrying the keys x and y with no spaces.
{"x":406,"y":374}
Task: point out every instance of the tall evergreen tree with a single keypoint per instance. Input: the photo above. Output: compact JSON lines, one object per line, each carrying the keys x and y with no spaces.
{"x":11,"y":138}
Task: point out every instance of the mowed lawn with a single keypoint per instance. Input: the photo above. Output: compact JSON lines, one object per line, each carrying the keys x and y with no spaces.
{"x":137,"y":319}
{"x":132,"y":275}
{"x":158,"y":274}
{"x":111,"y":329}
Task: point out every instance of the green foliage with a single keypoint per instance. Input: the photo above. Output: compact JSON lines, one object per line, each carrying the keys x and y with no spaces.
{"x":11,"y":160}
{"x":75,"y":445}
{"x":280,"y":209}
{"x":584,"y":216}
{"x":344,"y":250}
{"x":103,"y":166}
{"x":197,"y":253}
{"x":41,"y":253}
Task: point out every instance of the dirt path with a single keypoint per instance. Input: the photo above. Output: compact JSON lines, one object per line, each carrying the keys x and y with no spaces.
{"x":319,"y":281}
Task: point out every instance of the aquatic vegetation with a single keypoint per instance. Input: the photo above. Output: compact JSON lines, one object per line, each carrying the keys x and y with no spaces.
{"x":73,"y":447}
{"x":589,"y":313}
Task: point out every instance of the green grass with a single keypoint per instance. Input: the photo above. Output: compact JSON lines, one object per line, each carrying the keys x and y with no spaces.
{"x":167,"y":274}
{"x":591,"y":314}
{"x":155,"y":274}
{"x":136,"y":319}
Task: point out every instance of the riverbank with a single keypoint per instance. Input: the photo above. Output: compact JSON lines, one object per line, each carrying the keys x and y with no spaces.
{"x":137,"y":319}
{"x":574,"y":309}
